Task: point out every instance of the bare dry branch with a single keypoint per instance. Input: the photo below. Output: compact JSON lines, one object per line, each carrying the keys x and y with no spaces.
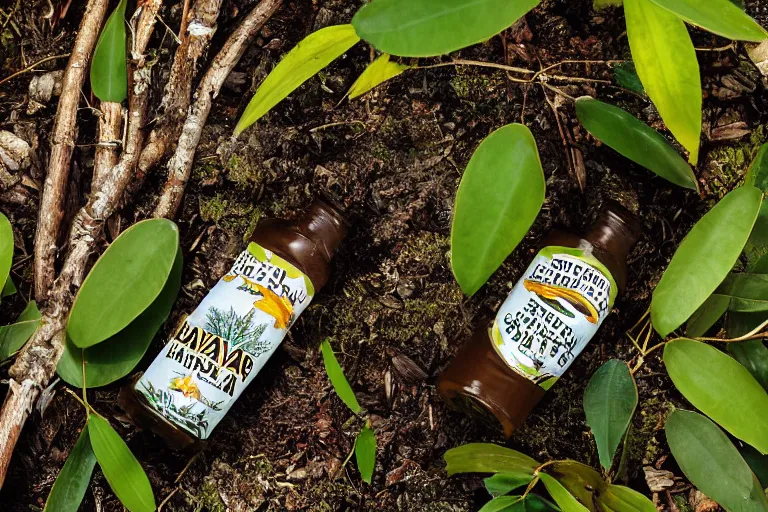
{"x":106,"y":154}
{"x":62,"y":144}
{"x":180,"y":164}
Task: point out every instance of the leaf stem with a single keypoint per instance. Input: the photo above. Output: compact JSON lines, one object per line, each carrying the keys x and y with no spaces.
{"x":647,"y":312}
{"x":33,"y":66}
{"x":754,"y":334}
{"x":478,"y":63}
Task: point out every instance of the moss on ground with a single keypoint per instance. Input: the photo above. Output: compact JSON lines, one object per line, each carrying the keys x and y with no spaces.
{"x":727,"y":165}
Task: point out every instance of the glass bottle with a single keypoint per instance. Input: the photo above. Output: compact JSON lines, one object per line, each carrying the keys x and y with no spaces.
{"x":501,"y":373}
{"x":218,"y":349}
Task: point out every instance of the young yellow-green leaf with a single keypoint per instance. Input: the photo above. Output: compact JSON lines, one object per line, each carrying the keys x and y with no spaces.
{"x":14,"y":336}
{"x":499,"y":197}
{"x":337,"y":378}
{"x":121,"y":469}
{"x":116,"y":357}
{"x":707,"y":314}
{"x":666,"y":64}
{"x":718,"y":16}
{"x":365,"y":453}
{"x":753,"y":355}
{"x":756,"y":249}
{"x":712,"y":463}
{"x":696,"y":269}
{"x":6,"y":247}
{"x":560,"y":494}
{"x":109,"y":72}
{"x":721,"y":388}
{"x":487,"y":458}
{"x":609,"y":403}
{"x":531,"y":503}
{"x":377,"y":72}
{"x":312,"y":54}
{"x":580,"y":480}
{"x":623,"y":499}
{"x":635,"y":140}
{"x":70,"y":486}
{"x":428,"y":28}
{"x":124,"y":281}
{"x":599,"y":5}
{"x":503,"y":483}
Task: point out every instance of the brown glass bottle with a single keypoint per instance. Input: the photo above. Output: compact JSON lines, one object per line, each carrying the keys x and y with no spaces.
{"x":206,"y":364}
{"x":486,"y":378}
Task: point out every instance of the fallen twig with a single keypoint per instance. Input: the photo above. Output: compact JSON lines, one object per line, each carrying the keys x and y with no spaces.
{"x":33,"y":66}
{"x":180,"y":165}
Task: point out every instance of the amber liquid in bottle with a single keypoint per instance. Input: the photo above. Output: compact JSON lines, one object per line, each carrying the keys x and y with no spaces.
{"x":192,"y":377}
{"x":484,"y":380}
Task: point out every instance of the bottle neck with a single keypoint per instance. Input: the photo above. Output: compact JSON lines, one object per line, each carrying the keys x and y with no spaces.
{"x":615,"y":232}
{"x":324,"y":225}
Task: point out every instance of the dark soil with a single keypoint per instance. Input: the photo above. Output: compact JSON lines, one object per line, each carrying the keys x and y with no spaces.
{"x":394,"y":158}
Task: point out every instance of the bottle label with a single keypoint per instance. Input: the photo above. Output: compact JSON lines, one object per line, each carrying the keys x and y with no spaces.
{"x":218,"y":350}
{"x":552,"y":313}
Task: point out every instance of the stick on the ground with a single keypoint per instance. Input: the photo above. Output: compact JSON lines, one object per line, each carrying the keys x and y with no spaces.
{"x":180,"y":164}
{"x":62,"y":145}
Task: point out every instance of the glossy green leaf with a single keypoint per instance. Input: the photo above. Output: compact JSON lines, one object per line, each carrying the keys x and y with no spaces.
{"x":377,"y":72}
{"x":707,"y":315}
{"x":499,"y":197}
{"x":121,"y":469}
{"x":8,"y":288}
{"x":617,"y":498}
{"x":365,"y":453}
{"x":109,"y":71}
{"x":312,"y":54}
{"x":6,"y":248}
{"x":757,"y":462}
{"x":487,"y":458}
{"x":116,"y":357}
{"x":753,"y":355}
{"x":428,"y":28}
{"x":337,"y":378}
{"x":609,"y":403}
{"x":720,"y":387}
{"x":560,"y":494}
{"x":14,"y":336}
{"x":503,"y":483}
{"x":531,"y":503}
{"x":124,"y":281}
{"x":625,"y":75}
{"x":756,"y":249}
{"x":70,"y":486}
{"x":718,"y":16}
{"x":666,"y":64}
{"x":635,"y":140}
{"x":580,"y":480}
{"x":696,"y":270}
{"x":712,"y":463}
{"x":748,"y":293}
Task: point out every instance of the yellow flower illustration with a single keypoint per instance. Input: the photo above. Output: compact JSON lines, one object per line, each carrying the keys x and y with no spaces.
{"x":187,"y":387}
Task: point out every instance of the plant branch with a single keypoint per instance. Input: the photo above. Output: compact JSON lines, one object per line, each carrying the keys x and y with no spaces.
{"x":180,"y":164}
{"x":62,"y":146}
{"x":754,"y":334}
{"x":105,"y":157}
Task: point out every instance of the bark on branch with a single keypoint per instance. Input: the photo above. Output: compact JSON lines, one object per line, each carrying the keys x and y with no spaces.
{"x":180,"y":164}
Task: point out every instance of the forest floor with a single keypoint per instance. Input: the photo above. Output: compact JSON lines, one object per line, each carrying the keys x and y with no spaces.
{"x":392,"y":309}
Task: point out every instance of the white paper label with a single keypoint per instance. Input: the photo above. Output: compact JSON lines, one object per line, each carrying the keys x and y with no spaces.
{"x":224,"y":343}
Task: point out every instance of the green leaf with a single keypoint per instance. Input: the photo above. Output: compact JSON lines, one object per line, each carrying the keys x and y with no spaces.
{"x":720,"y":17}
{"x":487,"y":458}
{"x":712,"y":463}
{"x":747,"y":293}
{"x":756,"y":249}
{"x":738,"y":324}
{"x":580,"y":480}
{"x":6,"y":248}
{"x":623,"y":499}
{"x":503,"y":483}
{"x":531,"y":503}
{"x":666,"y":64}
{"x":499,"y":196}
{"x":696,"y":269}
{"x":635,"y":140}
{"x":365,"y":453}
{"x":753,"y":355}
{"x":599,"y":5}
{"x":707,"y":314}
{"x":757,"y":463}
{"x":338,"y":380}
{"x":8,"y":288}
{"x":428,"y":28}
{"x":14,"y":336}
{"x":721,"y":388}
{"x":116,"y":357}
{"x":609,"y":403}
{"x":70,"y":486}
{"x":377,"y":72}
{"x":109,"y":72}
{"x":312,"y":54}
{"x":124,"y":281}
{"x":560,"y":494}
{"x":625,"y":75}
{"x":121,"y":469}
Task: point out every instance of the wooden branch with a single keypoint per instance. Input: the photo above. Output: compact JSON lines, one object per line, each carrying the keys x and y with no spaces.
{"x":37,"y":362}
{"x":180,"y":164}
{"x":106,"y":154}
{"x":62,"y":145}
{"x":200,"y":26}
